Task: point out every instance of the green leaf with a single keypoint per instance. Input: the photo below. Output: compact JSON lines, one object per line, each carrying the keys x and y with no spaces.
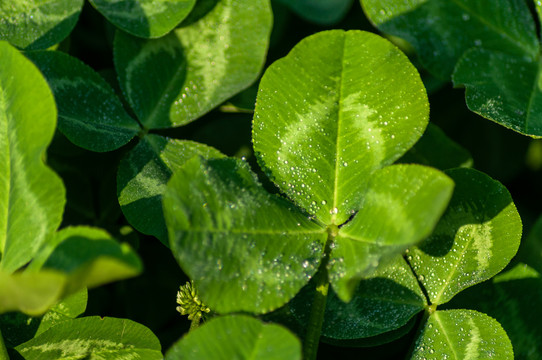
{"x":176,"y":79}
{"x":237,"y":337}
{"x":401,"y":207}
{"x":442,"y":30}
{"x":88,"y":256}
{"x":145,"y":18}
{"x":339,"y":106}
{"x":32,"y":196}
{"x":69,"y":308}
{"x":245,"y":249}
{"x":437,"y":150}
{"x":90,"y":113}
{"x":462,"y":334}
{"x":93,"y":337}
{"x":475,"y":239}
{"x":511,"y":298}
{"x":382,"y":302}
{"x":530,"y":250}
{"x":143,"y":175}
{"x":504,"y":88}
{"x":37,"y":24}
{"x":323,"y":12}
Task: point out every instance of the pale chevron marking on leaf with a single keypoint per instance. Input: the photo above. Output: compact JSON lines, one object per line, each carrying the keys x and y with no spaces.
{"x":78,"y":347}
{"x":150,"y":9}
{"x":473,"y":345}
{"x":35,"y":13}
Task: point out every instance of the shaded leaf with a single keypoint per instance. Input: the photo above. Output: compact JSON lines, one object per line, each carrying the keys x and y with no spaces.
{"x":237,"y":337}
{"x":32,"y":196}
{"x":475,"y":239}
{"x":324,"y":12}
{"x":175,"y":79}
{"x":244,"y":248}
{"x":90,"y":113}
{"x":462,"y":334}
{"x":339,"y":106}
{"x":93,"y":337}
{"x":144,"y":18}
{"x":143,"y":175}
{"x":38,"y":24}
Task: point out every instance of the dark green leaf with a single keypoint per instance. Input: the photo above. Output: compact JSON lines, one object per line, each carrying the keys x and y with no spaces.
{"x":324,"y":12}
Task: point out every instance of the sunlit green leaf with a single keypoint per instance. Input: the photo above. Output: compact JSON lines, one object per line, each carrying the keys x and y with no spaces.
{"x":324,"y":12}
{"x":339,"y":106}
{"x":175,"y":79}
{"x":93,"y":337}
{"x":32,"y":196}
{"x":442,"y":30}
{"x":237,"y":337}
{"x":143,"y":176}
{"x":475,"y":239}
{"x":89,"y":112}
{"x":244,"y":248}
{"x":37,"y":24}
{"x":145,"y":18}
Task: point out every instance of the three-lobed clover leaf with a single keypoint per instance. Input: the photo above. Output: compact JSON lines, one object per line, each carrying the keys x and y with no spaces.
{"x":329,"y":118}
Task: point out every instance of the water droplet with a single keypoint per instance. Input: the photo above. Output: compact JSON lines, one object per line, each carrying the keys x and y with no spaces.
{"x":465,"y":17}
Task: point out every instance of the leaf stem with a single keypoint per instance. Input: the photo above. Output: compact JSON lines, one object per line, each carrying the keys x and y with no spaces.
{"x":316,"y":320}
{"x":195,"y":322}
{"x":3,"y":350}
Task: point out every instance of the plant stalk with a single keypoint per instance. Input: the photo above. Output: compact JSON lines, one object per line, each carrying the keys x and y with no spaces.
{"x":3,"y":350}
{"x":194,"y":324}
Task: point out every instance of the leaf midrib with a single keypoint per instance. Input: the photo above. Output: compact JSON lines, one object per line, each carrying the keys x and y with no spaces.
{"x":531,"y":96}
{"x":443,"y":329}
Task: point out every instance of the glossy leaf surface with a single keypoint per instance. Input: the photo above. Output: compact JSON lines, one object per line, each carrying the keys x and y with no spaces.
{"x":462,"y":334}
{"x":93,"y":337}
{"x":442,"y":30}
{"x":244,"y":248}
{"x":37,"y":24}
{"x":32,"y":196}
{"x":145,"y":18}
{"x":475,"y":239}
{"x":90,"y":113}
{"x":237,"y":337}
{"x":324,"y":12}
{"x":401,"y":207}
{"x":143,"y":175}
{"x":504,"y":88}
{"x":332,"y":111}
{"x":175,"y":79}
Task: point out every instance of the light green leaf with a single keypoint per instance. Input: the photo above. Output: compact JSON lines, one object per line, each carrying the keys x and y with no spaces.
{"x":323,"y":12}
{"x":475,"y":239}
{"x":382,"y":302}
{"x":504,"y":88}
{"x":32,"y":196}
{"x":37,"y":24}
{"x":93,"y":338}
{"x":339,"y":106}
{"x":442,"y":30}
{"x":69,"y":308}
{"x":176,"y":79}
{"x":462,"y":335}
{"x":90,"y":113}
{"x":401,"y":207}
{"x":245,"y":249}
{"x":145,"y":18}
{"x":437,"y":150}
{"x":237,"y":337}
{"x":143,"y":175}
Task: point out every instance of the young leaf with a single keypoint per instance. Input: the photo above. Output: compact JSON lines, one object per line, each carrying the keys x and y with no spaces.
{"x":475,"y":239}
{"x":245,"y":249}
{"x":90,"y":113}
{"x":93,"y":337}
{"x":339,"y":106}
{"x":323,"y":12}
{"x":462,"y":334}
{"x":32,"y":196}
{"x":143,"y":175}
{"x":175,"y":79}
{"x":144,"y":18}
{"x":237,"y":337}
{"x":401,"y":207}
{"x":37,"y":24}
{"x":504,"y":88}
{"x":442,"y":30}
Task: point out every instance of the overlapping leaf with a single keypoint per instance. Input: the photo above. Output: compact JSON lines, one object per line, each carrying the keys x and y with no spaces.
{"x":174,"y":80}
{"x":325,"y":12}
{"x":475,"y":239}
{"x":37,"y":24}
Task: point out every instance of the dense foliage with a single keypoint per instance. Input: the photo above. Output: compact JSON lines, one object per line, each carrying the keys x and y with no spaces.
{"x":299,"y":175}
